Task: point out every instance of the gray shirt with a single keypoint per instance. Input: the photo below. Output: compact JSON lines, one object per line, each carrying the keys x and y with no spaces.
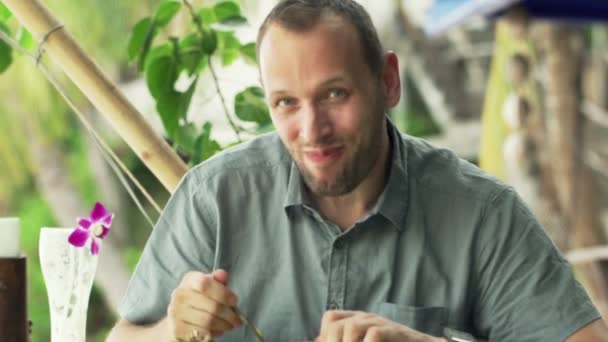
{"x":445,"y":246}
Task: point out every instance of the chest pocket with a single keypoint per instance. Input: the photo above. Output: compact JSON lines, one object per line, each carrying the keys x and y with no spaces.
{"x":428,"y":320}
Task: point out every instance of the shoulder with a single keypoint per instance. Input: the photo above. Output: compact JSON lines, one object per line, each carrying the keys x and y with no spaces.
{"x":261,"y":157}
{"x":440,"y":172}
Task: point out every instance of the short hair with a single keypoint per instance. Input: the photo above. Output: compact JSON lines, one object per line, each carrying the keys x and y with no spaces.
{"x":303,"y":15}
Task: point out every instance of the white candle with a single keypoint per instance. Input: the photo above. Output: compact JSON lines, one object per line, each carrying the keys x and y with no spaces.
{"x":9,"y":237}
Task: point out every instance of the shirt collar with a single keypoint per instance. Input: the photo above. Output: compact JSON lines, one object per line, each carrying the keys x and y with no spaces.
{"x":392,"y":203}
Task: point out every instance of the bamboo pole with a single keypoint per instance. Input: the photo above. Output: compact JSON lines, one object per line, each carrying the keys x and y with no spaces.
{"x":158,"y":156}
{"x":575,"y":183}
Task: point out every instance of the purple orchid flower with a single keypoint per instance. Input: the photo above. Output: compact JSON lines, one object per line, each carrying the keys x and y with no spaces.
{"x":94,"y":227}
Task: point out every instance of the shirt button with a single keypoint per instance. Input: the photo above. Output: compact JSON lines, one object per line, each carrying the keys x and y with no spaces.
{"x":339,"y":244}
{"x":333,"y":306}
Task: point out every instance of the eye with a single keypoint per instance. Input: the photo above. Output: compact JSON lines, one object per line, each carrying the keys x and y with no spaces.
{"x":285,"y":102}
{"x":337,"y":93}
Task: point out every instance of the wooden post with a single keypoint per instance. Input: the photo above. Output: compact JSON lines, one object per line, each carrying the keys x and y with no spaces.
{"x":13,"y":300}
{"x":574,"y":181}
{"x":158,"y":156}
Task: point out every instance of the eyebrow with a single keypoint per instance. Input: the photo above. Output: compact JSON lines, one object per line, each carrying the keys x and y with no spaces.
{"x":324,"y":84}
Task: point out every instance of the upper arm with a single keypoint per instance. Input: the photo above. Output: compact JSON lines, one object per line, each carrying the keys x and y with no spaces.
{"x":594,"y":331}
{"x":526,"y":290}
{"x":183,"y":240}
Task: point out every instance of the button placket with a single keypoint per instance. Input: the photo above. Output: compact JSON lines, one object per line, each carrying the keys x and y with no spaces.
{"x":337,"y":276}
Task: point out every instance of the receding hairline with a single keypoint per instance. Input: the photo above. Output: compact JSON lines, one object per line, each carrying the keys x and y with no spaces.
{"x":305,"y":15}
{"x":326,"y":16}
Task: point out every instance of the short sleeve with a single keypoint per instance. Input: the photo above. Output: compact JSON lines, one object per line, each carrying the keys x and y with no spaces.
{"x":183,"y":240}
{"x":526,"y":289}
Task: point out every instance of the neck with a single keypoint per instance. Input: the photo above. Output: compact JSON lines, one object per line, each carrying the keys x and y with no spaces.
{"x":347,"y":209}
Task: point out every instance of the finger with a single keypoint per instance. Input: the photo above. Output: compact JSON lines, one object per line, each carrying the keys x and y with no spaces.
{"x":335,"y":331}
{"x":355,"y":327}
{"x":222,"y":311}
{"x":189,"y":330}
{"x":209,"y":286}
{"x":329,"y":318}
{"x":205,"y":321}
{"x":221,"y":276}
{"x":184,"y":300}
{"x":375,"y":334}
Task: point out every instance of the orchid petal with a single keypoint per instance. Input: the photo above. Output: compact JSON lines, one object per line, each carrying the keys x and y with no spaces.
{"x":78,"y":237}
{"x":104,"y":231}
{"x":98,"y":212}
{"x":107,"y":221}
{"x":94,"y":247}
{"x":84,"y":223}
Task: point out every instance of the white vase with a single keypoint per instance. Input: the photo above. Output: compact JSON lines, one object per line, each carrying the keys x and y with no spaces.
{"x":68,"y":273}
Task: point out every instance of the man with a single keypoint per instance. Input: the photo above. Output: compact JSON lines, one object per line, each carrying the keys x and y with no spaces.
{"x":337,"y":228}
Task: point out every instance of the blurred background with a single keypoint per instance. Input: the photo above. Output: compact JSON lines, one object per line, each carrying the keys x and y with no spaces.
{"x":518,"y":88}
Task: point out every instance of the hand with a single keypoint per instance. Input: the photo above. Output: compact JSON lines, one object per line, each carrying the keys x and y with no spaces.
{"x":202,"y":305}
{"x":357,"y":326}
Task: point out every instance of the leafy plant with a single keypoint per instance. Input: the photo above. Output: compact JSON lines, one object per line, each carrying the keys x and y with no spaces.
{"x":163,"y":59}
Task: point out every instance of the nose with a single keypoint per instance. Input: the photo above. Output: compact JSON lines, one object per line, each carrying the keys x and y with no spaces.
{"x":316,"y":125}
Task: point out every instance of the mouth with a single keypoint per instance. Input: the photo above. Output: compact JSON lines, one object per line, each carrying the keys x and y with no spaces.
{"x":322,"y":156}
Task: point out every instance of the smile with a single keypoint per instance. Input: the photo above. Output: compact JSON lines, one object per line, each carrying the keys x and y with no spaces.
{"x":324,"y":155}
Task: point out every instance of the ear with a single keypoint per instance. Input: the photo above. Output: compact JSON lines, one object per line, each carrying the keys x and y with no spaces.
{"x":391,"y":79}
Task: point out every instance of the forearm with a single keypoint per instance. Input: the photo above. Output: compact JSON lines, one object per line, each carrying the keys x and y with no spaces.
{"x":125,"y":331}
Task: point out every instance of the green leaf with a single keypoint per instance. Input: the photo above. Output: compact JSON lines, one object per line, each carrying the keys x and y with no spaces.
{"x":229,"y":56}
{"x":4,"y":13}
{"x":26,"y":40}
{"x":186,"y":136}
{"x":138,"y":36}
{"x":228,"y":41}
{"x":248,"y":51}
{"x":249,"y":105}
{"x":141,"y":40}
{"x":186,"y":98}
{"x":209,"y":43}
{"x":6,"y":52}
{"x":204,"y":146}
{"x":191,"y":57}
{"x":190,"y":41}
{"x":207,"y":15}
{"x":226,"y":9}
{"x":193,"y":62}
{"x":234,"y":21}
{"x":269,"y":127}
{"x":162,"y":50}
{"x":161,"y":74}
{"x":167,"y":105}
{"x":230,"y":24}
{"x":229,"y":46}
{"x":166,"y":11}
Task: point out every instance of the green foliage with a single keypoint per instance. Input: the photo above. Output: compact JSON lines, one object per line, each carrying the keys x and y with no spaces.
{"x":34,"y":214}
{"x":249,"y":105}
{"x":141,"y":39}
{"x":25,"y":39}
{"x":224,"y":13}
{"x":166,"y":11}
{"x":248,"y":53}
{"x":131,"y":255}
{"x":204,"y":146}
{"x":4,"y":13}
{"x":209,"y":42}
{"x":210,"y":37}
{"x":81,"y":174}
{"x":6,"y":52}
{"x":226,"y":10}
{"x":419,"y":124}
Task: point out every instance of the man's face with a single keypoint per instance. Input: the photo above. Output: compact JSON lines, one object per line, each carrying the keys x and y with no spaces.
{"x":326,"y":105}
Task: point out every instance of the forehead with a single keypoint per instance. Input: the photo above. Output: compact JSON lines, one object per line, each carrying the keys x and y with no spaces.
{"x":331,"y":46}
